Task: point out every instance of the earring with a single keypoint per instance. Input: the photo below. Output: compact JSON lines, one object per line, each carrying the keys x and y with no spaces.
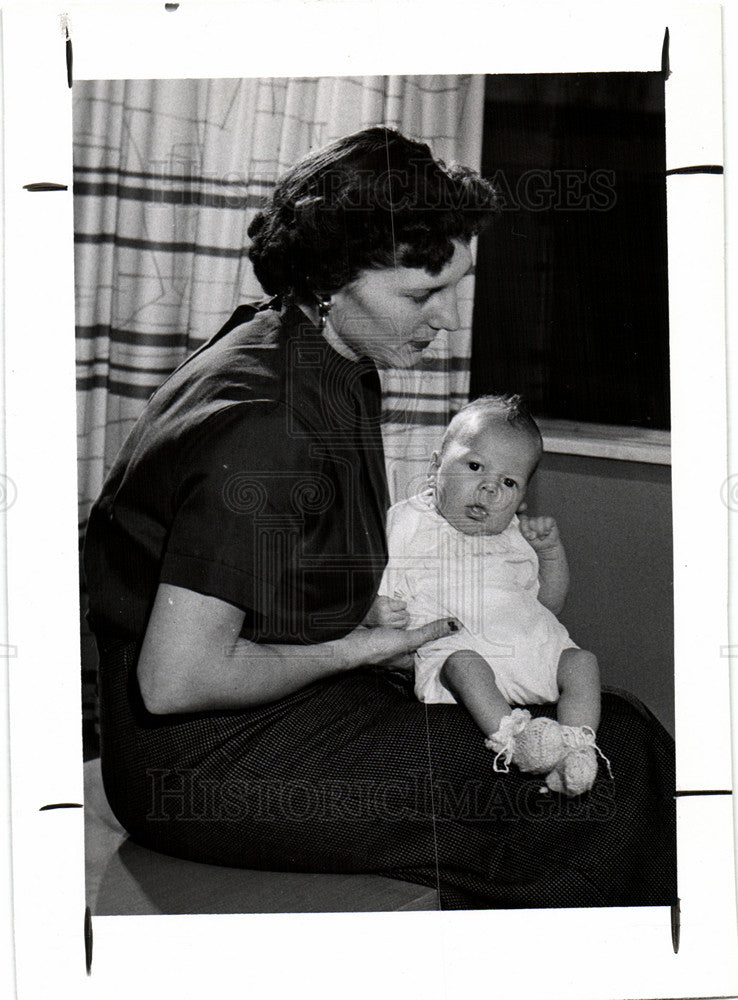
{"x":324,"y":307}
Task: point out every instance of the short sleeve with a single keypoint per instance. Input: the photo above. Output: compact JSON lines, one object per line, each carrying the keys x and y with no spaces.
{"x":237,"y":509}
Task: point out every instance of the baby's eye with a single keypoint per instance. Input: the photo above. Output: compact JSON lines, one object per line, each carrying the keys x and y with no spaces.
{"x":475,"y":466}
{"x":510,"y":483}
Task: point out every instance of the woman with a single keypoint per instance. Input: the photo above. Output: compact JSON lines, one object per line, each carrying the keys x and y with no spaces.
{"x":248,"y":717}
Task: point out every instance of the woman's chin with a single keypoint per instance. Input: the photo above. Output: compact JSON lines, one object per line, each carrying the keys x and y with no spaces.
{"x":407,"y":356}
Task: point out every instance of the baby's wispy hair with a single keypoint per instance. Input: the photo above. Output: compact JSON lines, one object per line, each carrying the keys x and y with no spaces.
{"x":509,"y":408}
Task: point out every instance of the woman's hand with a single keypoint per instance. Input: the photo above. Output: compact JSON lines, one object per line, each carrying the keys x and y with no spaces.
{"x":389,"y":611}
{"x":370,"y":646}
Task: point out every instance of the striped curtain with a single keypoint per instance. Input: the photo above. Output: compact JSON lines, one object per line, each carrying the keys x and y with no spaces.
{"x":168,"y":175}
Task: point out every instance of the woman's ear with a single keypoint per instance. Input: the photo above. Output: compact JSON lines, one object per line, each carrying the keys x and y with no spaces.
{"x":433,"y":467}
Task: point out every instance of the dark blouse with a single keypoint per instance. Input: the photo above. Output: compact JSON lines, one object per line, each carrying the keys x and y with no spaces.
{"x":255,"y":475}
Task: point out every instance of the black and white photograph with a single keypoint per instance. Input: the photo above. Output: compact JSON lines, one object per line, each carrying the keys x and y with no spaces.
{"x":395,"y":603}
{"x":270,"y":697}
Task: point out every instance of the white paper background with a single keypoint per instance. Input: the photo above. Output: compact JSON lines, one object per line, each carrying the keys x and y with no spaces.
{"x":578,"y":953}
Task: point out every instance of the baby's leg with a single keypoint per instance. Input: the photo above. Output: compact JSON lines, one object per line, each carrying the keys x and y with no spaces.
{"x":534,"y":745}
{"x":471,"y":681}
{"x":579,"y":715}
{"x":579,"y":689}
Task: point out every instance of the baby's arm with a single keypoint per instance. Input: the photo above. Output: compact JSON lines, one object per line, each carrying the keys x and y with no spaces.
{"x":542,"y":534}
{"x":471,"y":681}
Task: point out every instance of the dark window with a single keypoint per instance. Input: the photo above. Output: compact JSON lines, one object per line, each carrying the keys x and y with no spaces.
{"x":571,"y":289}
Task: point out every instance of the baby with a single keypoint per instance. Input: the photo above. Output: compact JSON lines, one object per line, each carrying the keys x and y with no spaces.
{"x":462,"y":550}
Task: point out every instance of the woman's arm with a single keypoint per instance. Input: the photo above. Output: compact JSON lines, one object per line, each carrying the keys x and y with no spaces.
{"x":192,"y":658}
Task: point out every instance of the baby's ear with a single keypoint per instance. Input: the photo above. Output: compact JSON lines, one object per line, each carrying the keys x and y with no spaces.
{"x":522,"y":507}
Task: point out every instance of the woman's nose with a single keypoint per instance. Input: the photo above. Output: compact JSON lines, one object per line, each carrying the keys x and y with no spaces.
{"x":445,"y":314}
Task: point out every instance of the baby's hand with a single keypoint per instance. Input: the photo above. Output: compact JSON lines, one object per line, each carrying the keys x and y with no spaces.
{"x":390,"y":611}
{"x":541,"y":533}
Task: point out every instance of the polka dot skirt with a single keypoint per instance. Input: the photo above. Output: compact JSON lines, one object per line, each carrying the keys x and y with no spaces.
{"x":352,"y":774}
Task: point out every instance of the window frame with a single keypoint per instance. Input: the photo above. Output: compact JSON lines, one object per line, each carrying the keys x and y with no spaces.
{"x":628,"y":444}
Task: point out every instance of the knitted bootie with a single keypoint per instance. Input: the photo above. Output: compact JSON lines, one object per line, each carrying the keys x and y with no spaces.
{"x":575,"y":774}
{"x":576,"y":771}
{"x":540,"y":746}
{"x":534,"y":745}
{"x":504,"y":741}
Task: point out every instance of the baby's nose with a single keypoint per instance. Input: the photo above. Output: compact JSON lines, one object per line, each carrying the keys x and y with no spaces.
{"x":490,"y":486}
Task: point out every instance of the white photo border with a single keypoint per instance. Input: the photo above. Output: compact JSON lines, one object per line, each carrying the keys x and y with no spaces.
{"x":608,"y":953}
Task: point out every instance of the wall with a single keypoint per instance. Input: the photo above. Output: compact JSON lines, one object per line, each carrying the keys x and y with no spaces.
{"x":615,"y":518}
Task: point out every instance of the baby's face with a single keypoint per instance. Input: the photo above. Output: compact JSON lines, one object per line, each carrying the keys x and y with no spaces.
{"x":482,"y":475}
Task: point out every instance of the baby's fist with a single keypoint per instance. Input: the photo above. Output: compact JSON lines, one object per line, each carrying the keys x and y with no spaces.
{"x":541,"y":533}
{"x":390,"y":611}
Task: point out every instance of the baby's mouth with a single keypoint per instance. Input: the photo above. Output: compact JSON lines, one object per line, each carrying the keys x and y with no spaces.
{"x":477,"y":511}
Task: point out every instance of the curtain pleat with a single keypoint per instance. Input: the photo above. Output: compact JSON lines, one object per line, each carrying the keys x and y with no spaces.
{"x":168,"y":176}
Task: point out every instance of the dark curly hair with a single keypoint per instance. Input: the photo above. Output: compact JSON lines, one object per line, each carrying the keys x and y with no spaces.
{"x":369,"y":200}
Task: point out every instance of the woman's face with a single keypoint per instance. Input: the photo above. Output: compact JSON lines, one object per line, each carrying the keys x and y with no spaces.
{"x":391,"y":315}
